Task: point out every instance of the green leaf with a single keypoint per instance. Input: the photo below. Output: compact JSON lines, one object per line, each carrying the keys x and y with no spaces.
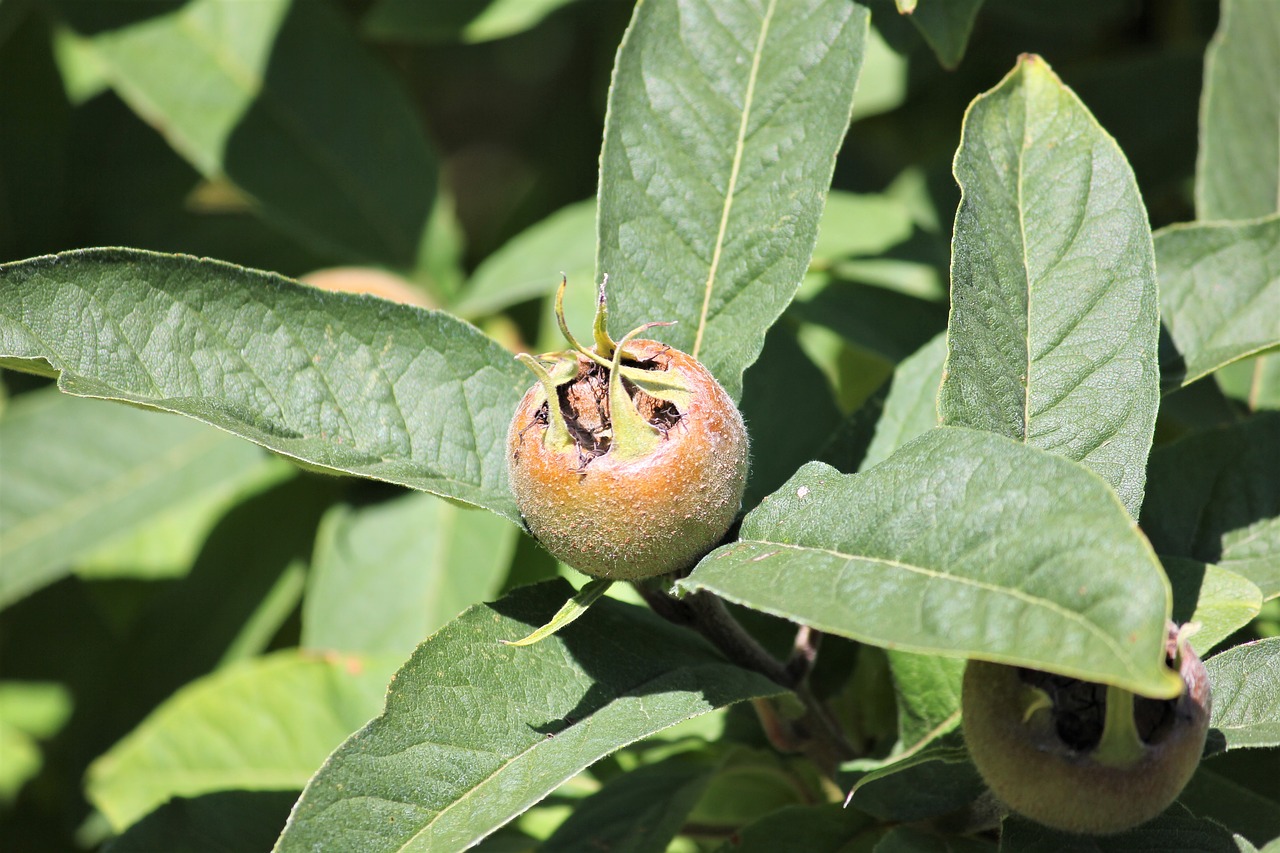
{"x":945,"y":25}
{"x":938,"y":780}
{"x":720,"y":141}
{"x":1215,"y":496}
{"x":463,"y":20}
{"x":529,"y":265}
{"x":350,"y":384}
{"x":927,"y":693}
{"x":314,"y":149}
{"x":1221,"y":601}
{"x":1246,"y":694}
{"x":1219,"y":293}
{"x":225,"y":822}
{"x":30,"y":711}
{"x":78,"y":474}
{"x":386,"y":576}
{"x":910,"y":839}
{"x":572,"y":610}
{"x":1238,"y":171}
{"x":1054,"y":319}
{"x":966,"y":544}
{"x":889,"y":324}
{"x":815,"y":829}
{"x":1212,"y":795}
{"x":911,"y":409}
{"x":1255,"y":382}
{"x":638,"y":812}
{"x":855,"y":224}
{"x":475,"y":732}
{"x":1176,"y":829}
{"x":228,"y":731}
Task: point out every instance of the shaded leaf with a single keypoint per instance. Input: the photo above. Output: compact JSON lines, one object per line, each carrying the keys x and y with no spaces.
{"x":859,"y":224}
{"x":1215,"y":496}
{"x":1238,"y":170}
{"x":719,"y":146}
{"x":78,"y":474}
{"x":529,"y":265}
{"x":1054,"y":320}
{"x":1246,"y":694}
{"x":384,"y":577}
{"x":225,"y":732}
{"x":464,"y":20}
{"x":910,"y":839}
{"x":927,"y":690}
{"x":1213,"y":795}
{"x":966,"y":544}
{"x":350,"y":384}
{"x":571,"y":611}
{"x":935,"y":781}
{"x":475,"y":732}
{"x":1176,"y":829}
{"x":892,"y":325}
{"x":1219,"y":293}
{"x":911,"y":409}
{"x":224,"y":822}
{"x":638,"y":812}
{"x":945,"y":25}
{"x":814,"y":829}
{"x":288,"y":103}
{"x":1221,"y":601}
{"x":1255,"y":382}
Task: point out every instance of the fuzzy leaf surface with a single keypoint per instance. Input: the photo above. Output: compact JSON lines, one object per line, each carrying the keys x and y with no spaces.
{"x":280,"y":98}
{"x":1054,"y":319}
{"x":720,"y":140}
{"x":963,"y":543}
{"x":78,"y":474}
{"x":475,"y":732}
{"x":1219,"y":293}
{"x":384,"y":577}
{"x":1238,"y":169}
{"x":355,"y":385}
{"x":1246,"y":694}
{"x":227,"y":731}
{"x":1215,"y":497}
{"x":1176,"y":829}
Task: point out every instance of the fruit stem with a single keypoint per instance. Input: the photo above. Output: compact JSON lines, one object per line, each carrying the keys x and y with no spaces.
{"x":1120,"y":745}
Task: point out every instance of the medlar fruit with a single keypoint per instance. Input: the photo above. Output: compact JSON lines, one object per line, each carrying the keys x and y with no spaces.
{"x":628,"y":460}
{"x":1084,"y":757}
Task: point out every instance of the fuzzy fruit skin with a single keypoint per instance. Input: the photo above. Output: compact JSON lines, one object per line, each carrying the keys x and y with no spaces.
{"x":639,"y":519}
{"x":1036,"y":775}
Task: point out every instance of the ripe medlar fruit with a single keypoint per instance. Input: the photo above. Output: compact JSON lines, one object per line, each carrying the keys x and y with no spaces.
{"x":1084,"y":757}
{"x":628,"y":460}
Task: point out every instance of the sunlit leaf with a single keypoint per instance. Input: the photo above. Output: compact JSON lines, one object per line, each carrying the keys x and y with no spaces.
{"x":1054,"y":320}
{"x":1246,"y":694}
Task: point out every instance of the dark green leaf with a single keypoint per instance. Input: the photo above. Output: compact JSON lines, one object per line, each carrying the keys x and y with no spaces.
{"x":720,"y":140}
{"x":813,"y":829}
{"x":1238,"y":173}
{"x":263,"y":724}
{"x":945,"y":25}
{"x":938,"y":780}
{"x":351,"y":384}
{"x":1246,"y":694}
{"x":1212,"y":795}
{"x":1215,"y":497}
{"x":1176,"y":829}
{"x":892,"y":325}
{"x":963,"y":543}
{"x":475,"y":732}
{"x":225,"y":822}
{"x":1054,"y":319}
{"x":385,"y":577}
{"x":638,"y":812}
{"x":927,"y":689}
{"x":289,"y":107}
{"x":78,"y":474}
{"x":1219,"y":293}
{"x":910,"y":839}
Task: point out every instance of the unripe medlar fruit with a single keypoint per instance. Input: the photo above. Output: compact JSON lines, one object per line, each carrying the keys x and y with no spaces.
{"x":1085,"y":757}
{"x":628,"y":460}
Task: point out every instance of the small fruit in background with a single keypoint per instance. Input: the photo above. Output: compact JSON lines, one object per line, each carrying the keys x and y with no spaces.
{"x":628,"y":460}
{"x":1085,"y":757}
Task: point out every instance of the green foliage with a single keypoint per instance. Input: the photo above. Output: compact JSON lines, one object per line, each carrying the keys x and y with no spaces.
{"x":992,"y":414}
